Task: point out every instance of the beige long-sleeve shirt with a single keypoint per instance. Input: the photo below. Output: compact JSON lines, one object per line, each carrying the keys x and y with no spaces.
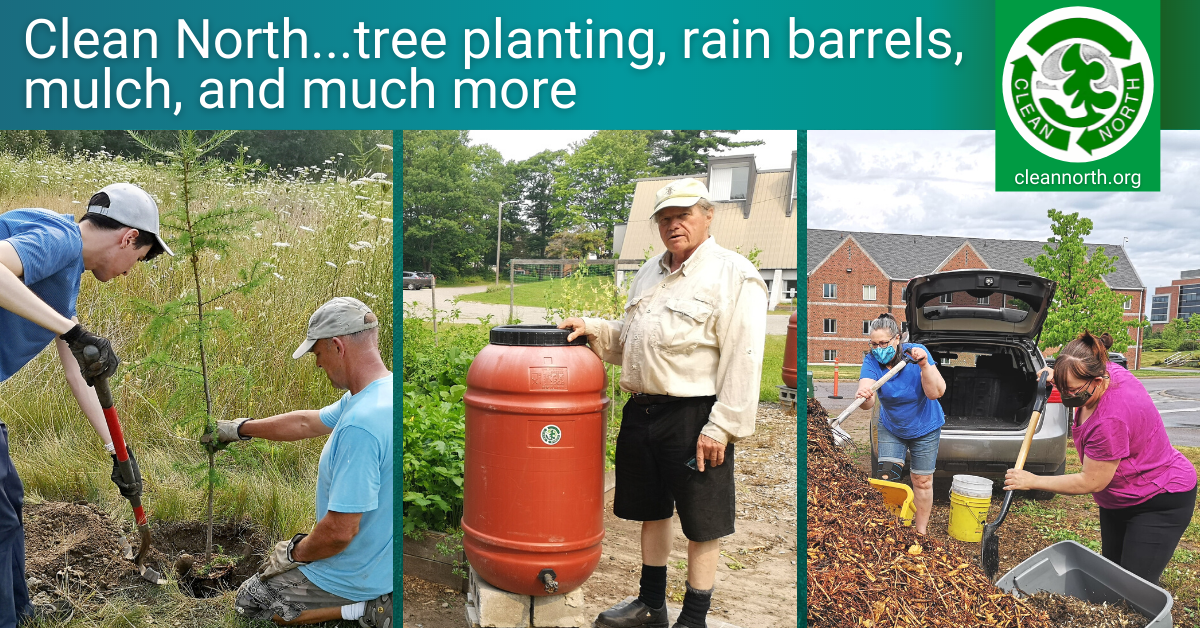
{"x":695,"y":332}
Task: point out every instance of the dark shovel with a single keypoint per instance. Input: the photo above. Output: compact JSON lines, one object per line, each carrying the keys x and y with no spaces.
{"x":118,"y":438}
{"x":990,"y":543}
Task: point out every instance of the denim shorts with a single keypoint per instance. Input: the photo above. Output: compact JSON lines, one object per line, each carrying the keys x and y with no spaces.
{"x":923,"y":449}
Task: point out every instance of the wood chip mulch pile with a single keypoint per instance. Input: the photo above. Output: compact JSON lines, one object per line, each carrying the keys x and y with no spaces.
{"x":865,"y":569}
{"x":1069,"y":612}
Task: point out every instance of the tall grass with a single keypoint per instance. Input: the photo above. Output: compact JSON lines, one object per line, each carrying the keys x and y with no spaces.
{"x":328,"y":237}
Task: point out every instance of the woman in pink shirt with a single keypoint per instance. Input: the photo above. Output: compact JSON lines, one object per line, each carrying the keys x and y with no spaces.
{"x":1145,"y":488}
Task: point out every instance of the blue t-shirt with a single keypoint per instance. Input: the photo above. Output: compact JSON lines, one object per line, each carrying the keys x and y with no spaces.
{"x":51,"y":252}
{"x":355,"y":475}
{"x":904,"y":410}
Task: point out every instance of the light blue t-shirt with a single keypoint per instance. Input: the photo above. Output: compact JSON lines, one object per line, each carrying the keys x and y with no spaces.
{"x":51,"y":252}
{"x":904,"y":410}
{"x":355,"y":475}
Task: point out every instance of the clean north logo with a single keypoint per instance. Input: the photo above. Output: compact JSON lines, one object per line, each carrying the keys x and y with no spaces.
{"x":1078,"y":84}
{"x":551,"y":434}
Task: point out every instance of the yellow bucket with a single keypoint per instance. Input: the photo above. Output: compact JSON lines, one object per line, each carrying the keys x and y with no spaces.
{"x":967,"y":516}
{"x":898,"y":497}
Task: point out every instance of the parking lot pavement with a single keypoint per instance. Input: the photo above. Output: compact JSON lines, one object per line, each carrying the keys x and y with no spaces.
{"x":1178,"y":401}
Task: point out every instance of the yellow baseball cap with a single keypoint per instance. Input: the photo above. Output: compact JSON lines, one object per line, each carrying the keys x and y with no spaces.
{"x":680,"y":193}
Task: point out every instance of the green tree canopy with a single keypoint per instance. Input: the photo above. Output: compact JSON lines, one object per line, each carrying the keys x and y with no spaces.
{"x":596,"y":181}
{"x":687,"y":152}
{"x":1082,"y":300}
{"x":533,"y":185}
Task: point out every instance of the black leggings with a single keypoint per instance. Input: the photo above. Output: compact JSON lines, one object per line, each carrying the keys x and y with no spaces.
{"x":1143,"y":538}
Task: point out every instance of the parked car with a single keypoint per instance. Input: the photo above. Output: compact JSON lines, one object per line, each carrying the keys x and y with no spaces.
{"x":989,"y":357}
{"x":414,"y":281}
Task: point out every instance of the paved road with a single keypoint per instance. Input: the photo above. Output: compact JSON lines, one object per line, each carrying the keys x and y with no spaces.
{"x":1177,"y":399}
{"x":420,"y":302}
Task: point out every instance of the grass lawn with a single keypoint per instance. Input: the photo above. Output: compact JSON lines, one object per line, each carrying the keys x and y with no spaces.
{"x":1145,"y":373}
{"x":772,"y":373}
{"x":845,"y":372}
{"x":465,"y":281}
{"x":534,"y":294}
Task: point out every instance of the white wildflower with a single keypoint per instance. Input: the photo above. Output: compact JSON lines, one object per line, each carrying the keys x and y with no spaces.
{"x":387,"y":220}
{"x":218,"y":308}
{"x":370,"y":295}
{"x":340,"y":155}
{"x":282,"y":245}
{"x":366,"y":216}
{"x":330,"y":264}
{"x":379,"y":175}
{"x":384,"y":146}
{"x":361,"y":244}
{"x":308,"y":229}
{"x":277,"y":275}
{"x":362,"y":198}
{"x":75,"y":202}
{"x":217,"y":256}
{"x":351,"y":262}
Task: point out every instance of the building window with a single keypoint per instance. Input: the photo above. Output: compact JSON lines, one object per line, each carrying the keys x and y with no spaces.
{"x":1159,"y":305}
{"x":988,"y":300}
{"x":1128,"y":303}
{"x":866,"y":327}
{"x":1189,"y":301}
{"x":868,"y":293}
{"x":946,"y":298}
{"x":830,"y":355}
{"x":729,"y":184}
{"x":831,"y":325}
{"x":829,"y":290}
{"x":789,"y":289}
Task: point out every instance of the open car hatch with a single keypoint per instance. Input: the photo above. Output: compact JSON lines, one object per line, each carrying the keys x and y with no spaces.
{"x":975,"y":301}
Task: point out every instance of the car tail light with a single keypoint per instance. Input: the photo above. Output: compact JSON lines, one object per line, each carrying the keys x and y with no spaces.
{"x":1054,"y":396}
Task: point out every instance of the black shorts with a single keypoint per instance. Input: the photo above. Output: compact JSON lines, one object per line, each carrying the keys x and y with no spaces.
{"x":653,"y":480}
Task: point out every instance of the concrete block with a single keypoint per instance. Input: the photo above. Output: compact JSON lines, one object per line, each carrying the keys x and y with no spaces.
{"x":494,"y":608}
{"x":561,"y":611}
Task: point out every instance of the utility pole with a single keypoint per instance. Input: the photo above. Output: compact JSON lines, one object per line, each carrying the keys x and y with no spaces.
{"x":499,"y":222}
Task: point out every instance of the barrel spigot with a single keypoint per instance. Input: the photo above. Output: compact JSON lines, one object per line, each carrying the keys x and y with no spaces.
{"x":548,"y":577}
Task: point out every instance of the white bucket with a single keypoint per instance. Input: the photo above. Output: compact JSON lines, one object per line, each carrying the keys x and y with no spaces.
{"x":971,"y":486}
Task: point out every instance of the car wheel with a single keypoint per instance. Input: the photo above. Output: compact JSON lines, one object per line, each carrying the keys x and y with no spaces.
{"x":1047,"y":495}
{"x":408,"y":286}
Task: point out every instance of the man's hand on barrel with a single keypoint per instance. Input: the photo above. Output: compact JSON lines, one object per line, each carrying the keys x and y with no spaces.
{"x":709,"y":449}
{"x":575,"y":324}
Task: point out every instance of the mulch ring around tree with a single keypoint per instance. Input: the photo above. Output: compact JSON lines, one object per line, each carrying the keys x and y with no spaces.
{"x":866,"y":569}
{"x":73,"y":556}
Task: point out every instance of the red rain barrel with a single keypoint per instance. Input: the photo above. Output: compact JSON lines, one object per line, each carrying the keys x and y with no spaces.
{"x":789,"y":353}
{"x":533,"y":511}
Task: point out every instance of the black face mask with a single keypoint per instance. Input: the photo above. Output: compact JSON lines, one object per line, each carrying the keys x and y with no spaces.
{"x":1075,"y":401}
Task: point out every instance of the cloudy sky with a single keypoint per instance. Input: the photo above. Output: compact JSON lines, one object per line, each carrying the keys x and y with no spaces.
{"x":775,"y":153}
{"x":942,"y":183}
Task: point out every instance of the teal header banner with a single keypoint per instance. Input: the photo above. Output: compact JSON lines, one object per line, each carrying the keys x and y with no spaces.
{"x":527,"y":65}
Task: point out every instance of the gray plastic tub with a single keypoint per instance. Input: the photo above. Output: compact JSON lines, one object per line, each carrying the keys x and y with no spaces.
{"x":1071,"y":569}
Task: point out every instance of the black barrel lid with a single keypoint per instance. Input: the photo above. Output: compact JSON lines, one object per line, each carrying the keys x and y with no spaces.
{"x":533,"y":336}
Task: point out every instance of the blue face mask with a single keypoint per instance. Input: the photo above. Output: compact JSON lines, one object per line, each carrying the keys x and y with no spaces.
{"x":884,"y":354}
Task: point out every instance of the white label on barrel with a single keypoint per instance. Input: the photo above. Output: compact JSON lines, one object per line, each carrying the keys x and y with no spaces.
{"x":547,"y":378}
{"x":551,"y":434}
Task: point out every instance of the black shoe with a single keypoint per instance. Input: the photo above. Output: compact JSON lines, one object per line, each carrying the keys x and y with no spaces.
{"x":632,"y":615}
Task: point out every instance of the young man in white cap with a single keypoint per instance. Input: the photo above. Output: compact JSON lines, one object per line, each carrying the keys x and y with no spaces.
{"x":343,"y":568}
{"x":43,"y":256}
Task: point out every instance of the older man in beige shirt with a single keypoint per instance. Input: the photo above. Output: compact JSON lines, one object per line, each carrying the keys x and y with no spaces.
{"x":691,"y":351}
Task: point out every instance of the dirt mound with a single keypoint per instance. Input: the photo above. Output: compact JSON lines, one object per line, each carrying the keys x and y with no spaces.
{"x":73,"y":547}
{"x":866,"y":569}
{"x":1069,"y":612}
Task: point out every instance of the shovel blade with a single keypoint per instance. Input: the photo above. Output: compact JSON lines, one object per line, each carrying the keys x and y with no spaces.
{"x":989,"y":551}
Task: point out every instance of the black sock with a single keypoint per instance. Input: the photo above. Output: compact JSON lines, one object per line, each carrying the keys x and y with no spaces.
{"x":653,"y":586}
{"x":695,"y":607}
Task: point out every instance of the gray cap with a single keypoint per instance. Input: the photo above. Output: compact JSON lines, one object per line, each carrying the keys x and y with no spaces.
{"x":340,"y":316}
{"x":131,"y":206}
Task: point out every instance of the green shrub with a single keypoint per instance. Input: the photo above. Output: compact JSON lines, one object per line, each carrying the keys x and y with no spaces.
{"x":1188,"y":345}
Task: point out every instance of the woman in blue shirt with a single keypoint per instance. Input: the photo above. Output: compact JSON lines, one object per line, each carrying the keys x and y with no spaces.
{"x":910,"y":418}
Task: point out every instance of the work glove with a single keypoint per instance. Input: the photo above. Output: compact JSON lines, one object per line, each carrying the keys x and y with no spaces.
{"x":129,"y":490}
{"x":104,"y":365}
{"x":280,"y":558}
{"x":227,"y":432}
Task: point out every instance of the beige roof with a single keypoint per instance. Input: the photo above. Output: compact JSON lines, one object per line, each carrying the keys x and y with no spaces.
{"x":768,"y":228}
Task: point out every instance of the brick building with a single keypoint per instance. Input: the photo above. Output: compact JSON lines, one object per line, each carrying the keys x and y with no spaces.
{"x":1181,"y":299}
{"x":853,"y":277}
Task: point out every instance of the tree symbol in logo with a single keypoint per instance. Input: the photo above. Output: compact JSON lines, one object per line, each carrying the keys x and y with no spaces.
{"x":1083,"y":72}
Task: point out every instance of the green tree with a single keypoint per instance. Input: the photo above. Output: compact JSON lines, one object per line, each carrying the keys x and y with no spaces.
{"x":687,"y":152}
{"x":577,"y":244}
{"x":1082,"y":300}
{"x":450,"y":193}
{"x":596,"y":181}
{"x":185,"y":328}
{"x":533,"y":184}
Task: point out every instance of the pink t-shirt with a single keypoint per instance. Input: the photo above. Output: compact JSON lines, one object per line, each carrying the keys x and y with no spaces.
{"x":1126,"y":426}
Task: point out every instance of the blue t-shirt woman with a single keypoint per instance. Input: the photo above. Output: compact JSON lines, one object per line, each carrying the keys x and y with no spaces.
{"x":910,"y":417}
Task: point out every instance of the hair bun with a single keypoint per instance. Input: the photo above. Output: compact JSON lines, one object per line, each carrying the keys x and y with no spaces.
{"x":1107,"y":340}
{"x":887,"y":316}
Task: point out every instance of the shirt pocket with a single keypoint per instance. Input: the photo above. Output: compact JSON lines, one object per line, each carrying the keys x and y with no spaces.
{"x":632,"y":314}
{"x":684,"y":325}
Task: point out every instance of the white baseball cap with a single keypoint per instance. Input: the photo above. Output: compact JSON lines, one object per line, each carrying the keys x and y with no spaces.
{"x":132,"y":206}
{"x":682,"y":193}
{"x":340,"y":316}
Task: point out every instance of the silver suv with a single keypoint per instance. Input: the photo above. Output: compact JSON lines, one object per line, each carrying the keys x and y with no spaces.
{"x":982,"y":328}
